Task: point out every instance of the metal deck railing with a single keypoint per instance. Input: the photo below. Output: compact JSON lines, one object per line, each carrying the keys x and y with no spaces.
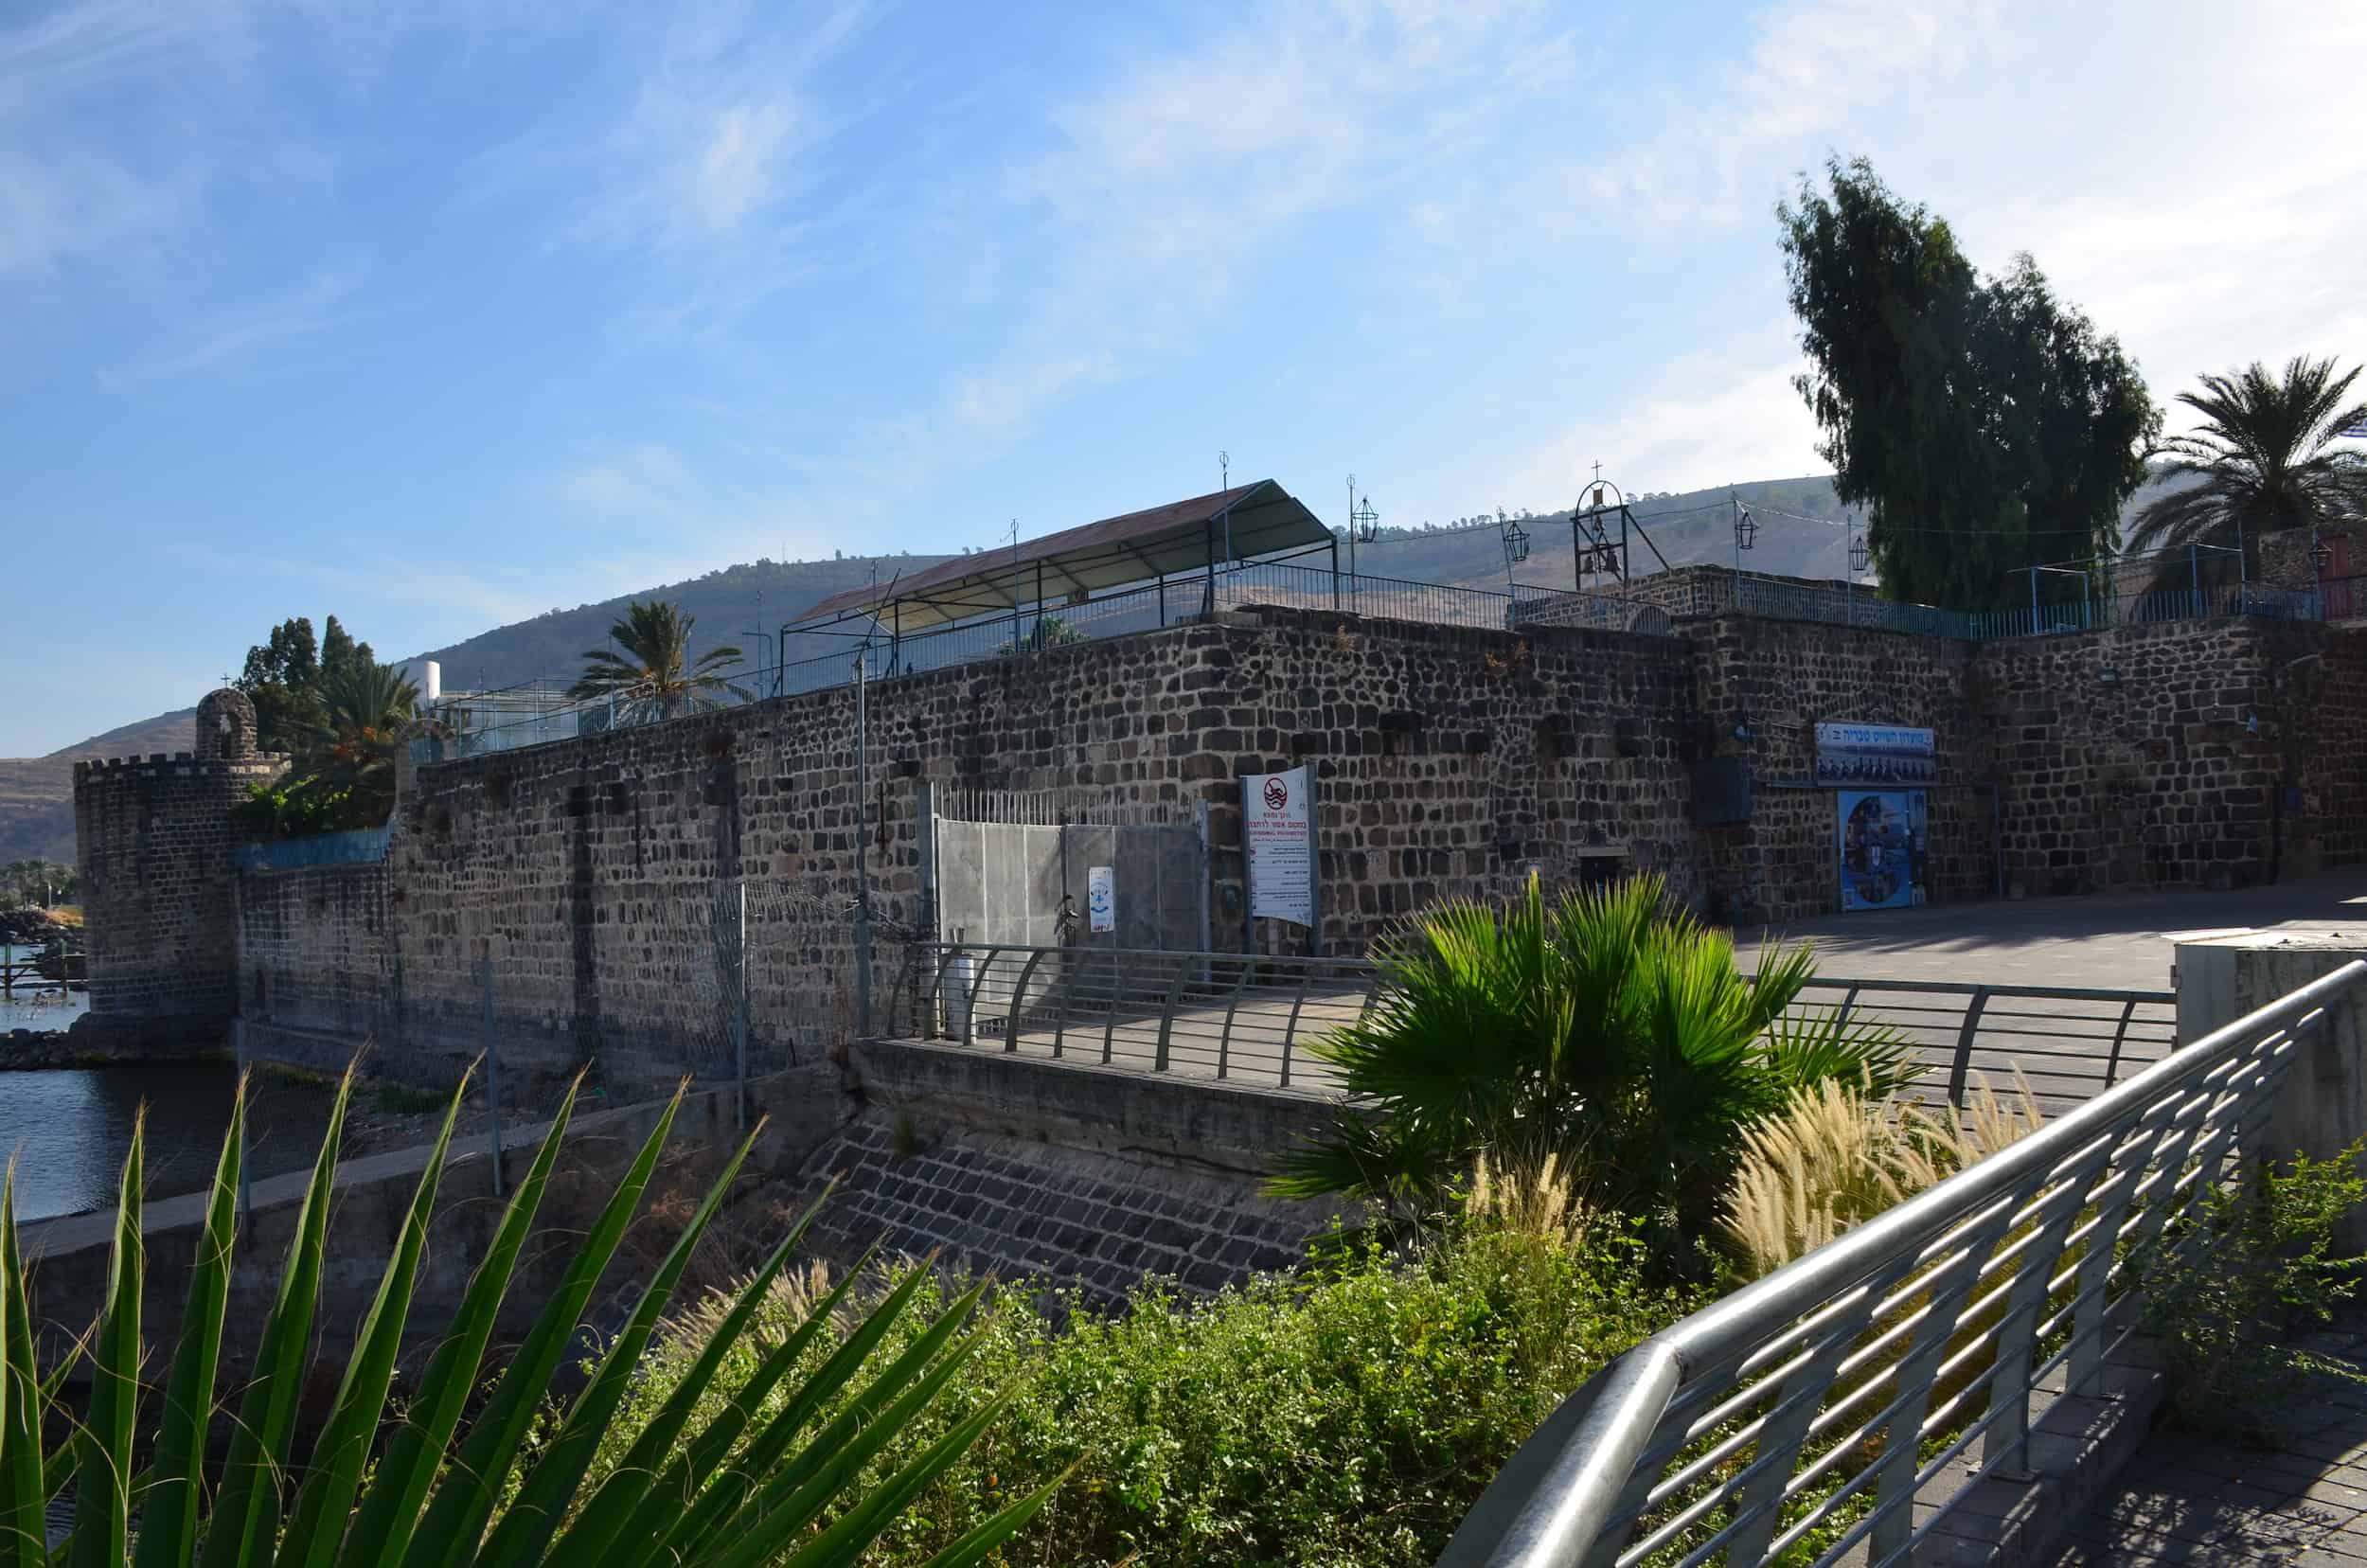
{"x":1233,"y":1016}
{"x":1828,"y":1412}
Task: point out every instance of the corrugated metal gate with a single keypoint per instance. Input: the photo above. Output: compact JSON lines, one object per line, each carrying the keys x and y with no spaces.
{"x":1015,"y":868}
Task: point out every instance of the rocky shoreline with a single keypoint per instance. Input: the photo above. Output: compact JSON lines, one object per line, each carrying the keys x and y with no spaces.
{"x":25,"y":1049}
{"x":88,"y":1042}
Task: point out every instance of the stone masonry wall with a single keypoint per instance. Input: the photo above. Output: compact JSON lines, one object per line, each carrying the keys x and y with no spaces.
{"x":2318,"y":713}
{"x":154,"y":839}
{"x":317,"y":957}
{"x":1094,"y":1222}
{"x":1776,"y":680}
{"x":1448,"y":761}
{"x":2141,"y":756}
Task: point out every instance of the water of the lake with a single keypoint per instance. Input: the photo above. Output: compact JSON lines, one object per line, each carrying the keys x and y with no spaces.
{"x":69,"y":1127}
{"x":26,"y":1008}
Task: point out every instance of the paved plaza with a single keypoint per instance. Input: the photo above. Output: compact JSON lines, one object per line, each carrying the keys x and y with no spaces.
{"x":2295,"y":1496}
{"x":2118,"y":941}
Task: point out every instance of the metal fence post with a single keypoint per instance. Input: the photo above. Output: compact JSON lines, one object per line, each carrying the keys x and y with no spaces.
{"x":493,"y":1067}
{"x":740,"y":1012}
{"x":1964,"y":1046}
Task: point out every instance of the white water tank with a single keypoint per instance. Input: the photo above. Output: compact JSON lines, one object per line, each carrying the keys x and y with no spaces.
{"x":431,"y":682}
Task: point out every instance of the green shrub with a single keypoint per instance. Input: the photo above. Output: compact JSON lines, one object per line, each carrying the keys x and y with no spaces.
{"x":2246,"y":1265}
{"x":1347,"y":1415}
{"x":1607,"y":1030}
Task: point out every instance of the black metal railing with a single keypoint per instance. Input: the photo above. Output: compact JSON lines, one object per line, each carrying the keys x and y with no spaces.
{"x":1236,"y":1016}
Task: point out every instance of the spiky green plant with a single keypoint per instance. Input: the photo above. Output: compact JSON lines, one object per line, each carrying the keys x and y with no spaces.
{"x":741,"y":1487}
{"x":1608,"y":1032}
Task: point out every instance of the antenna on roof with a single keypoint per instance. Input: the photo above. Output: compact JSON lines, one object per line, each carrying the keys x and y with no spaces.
{"x":1224,"y":471}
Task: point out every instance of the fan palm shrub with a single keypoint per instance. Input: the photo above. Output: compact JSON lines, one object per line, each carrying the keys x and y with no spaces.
{"x":2262,"y":460}
{"x":750,"y":1480}
{"x":649,"y":675}
{"x":1608,"y":1032}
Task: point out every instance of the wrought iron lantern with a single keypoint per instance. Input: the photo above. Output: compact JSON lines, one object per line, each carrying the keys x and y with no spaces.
{"x":2321,"y":557}
{"x":1859,"y":555}
{"x":1516,"y":544}
{"x":1367,"y":520}
{"x":1746,"y":529}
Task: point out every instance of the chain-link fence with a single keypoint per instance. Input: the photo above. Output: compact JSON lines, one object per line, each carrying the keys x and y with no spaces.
{"x":715,"y":984}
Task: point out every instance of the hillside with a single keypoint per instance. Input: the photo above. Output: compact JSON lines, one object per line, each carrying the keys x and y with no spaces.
{"x":726,"y":603}
{"x":36,"y":793}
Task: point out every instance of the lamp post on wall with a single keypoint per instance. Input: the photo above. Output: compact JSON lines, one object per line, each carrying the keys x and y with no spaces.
{"x":1516,"y":542}
{"x":1363,"y":527}
{"x":1746,"y":537}
{"x":1860,"y":557}
{"x":2321,"y":557}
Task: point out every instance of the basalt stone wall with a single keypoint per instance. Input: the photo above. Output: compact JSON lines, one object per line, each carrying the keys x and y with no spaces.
{"x":1764,"y":685}
{"x":1092,"y":1223}
{"x":316,"y":964}
{"x":2143,"y":756}
{"x":1448,"y":761}
{"x":599,"y":875}
{"x":153,"y":841}
{"x":1085,"y":1177}
{"x":2319,"y":709}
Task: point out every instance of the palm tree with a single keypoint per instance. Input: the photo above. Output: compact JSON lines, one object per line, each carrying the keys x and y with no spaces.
{"x":2265,"y":461}
{"x":1609,"y":1032}
{"x":453,"y":1473}
{"x":654,"y":677}
{"x":365,"y":706}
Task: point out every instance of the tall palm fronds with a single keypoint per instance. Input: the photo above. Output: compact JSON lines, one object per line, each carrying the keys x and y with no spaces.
{"x":1609,"y":1033}
{"x":791,"y":1470}
{"x":349,"y":750}
{"x":2264,"y":459}
{"x":654,"y":677}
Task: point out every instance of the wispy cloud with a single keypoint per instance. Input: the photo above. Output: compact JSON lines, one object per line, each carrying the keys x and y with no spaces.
{"x":1159,"y":188}
{"x":316,"y":307}
{"x":1700,"y":421}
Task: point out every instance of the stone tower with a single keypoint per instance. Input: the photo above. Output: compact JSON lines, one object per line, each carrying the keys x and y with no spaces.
{"x":155,"y":837}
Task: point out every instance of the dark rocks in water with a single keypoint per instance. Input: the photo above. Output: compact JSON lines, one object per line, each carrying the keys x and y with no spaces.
{"x":30,"y":1048}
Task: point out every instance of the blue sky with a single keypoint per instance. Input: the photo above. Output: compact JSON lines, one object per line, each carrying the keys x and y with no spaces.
{"x":437,"y":315}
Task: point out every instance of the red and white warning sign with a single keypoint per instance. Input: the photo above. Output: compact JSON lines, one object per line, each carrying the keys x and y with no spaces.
{"x":1277,"y":828}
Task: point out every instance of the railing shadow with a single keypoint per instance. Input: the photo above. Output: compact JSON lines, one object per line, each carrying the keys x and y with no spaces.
{"x":2293,"y":1493}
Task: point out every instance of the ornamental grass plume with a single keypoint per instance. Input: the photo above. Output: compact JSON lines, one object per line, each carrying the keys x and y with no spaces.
{"x":1837,"y":1156}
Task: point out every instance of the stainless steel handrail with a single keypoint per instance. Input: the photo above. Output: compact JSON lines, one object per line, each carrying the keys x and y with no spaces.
{"x":1783,"y":1345}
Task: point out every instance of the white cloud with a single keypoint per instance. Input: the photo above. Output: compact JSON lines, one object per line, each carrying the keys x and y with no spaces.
{"x":316,"y":307}
{"x":1168,"y":180}
{"x":2197,"y":198}
{"x":1704,"y":421}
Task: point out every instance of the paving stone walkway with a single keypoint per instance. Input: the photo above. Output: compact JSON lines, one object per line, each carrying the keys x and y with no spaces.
{"x":2297,"y":1499}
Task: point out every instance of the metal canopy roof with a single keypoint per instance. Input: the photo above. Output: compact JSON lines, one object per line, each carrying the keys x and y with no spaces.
{"x":1175,"y":539}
